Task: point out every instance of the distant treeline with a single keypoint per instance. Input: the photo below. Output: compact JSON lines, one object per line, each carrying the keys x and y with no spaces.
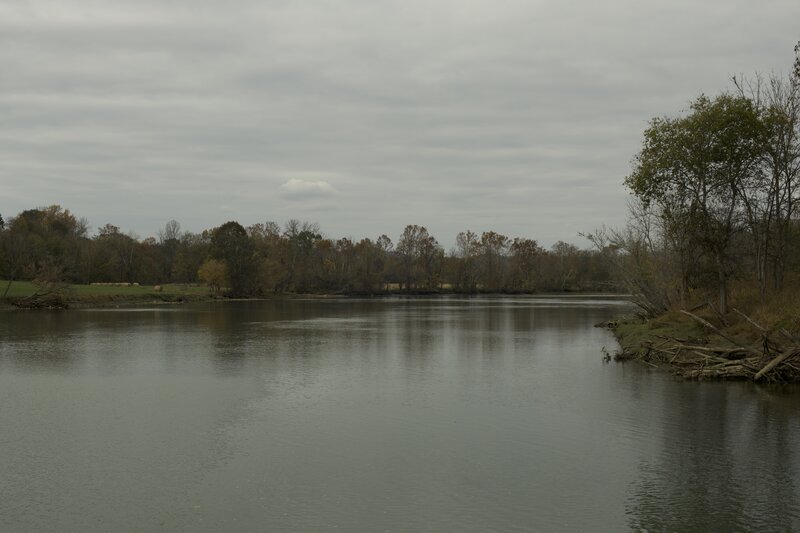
{"x":50,"y":244}
{"x":716,"y":193}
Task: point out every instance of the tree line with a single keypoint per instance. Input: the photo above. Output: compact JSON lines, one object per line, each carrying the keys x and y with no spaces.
{"x":715,"y":192}
{"x":52,"y":244}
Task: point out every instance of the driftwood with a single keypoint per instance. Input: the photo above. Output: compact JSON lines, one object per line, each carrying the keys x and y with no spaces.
{"x":771,"y":361}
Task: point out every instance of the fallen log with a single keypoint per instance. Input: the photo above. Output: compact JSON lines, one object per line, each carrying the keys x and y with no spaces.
{"x":752,"y":322}
{"x":791,"y":352}
{"x":713,"y":328}
{"x":732,"y":372}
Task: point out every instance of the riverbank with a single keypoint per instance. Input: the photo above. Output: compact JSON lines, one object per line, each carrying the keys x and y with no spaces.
{"x":760,"y":345}
{"x":103,"y":295}
{"x":118,"y":294}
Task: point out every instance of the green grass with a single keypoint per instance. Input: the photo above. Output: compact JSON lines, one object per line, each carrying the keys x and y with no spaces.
{"x":633,"y":333}
{"x":18,"y":289}
{"x":89,"y":293}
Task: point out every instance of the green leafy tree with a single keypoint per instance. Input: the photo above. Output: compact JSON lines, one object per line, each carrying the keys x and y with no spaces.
{"x":231,"y":244}
{"x":694,"y":168}
{"x":45,"y":236}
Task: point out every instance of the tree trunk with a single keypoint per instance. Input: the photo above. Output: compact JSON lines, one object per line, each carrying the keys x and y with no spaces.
{"x":8,"y":286}
{"x":761,"y":271}
{"x":779,"y":259}
{"x":723,"y":293}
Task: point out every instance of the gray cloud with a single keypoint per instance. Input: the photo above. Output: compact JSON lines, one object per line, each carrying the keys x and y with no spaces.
{"x":513,"y":115}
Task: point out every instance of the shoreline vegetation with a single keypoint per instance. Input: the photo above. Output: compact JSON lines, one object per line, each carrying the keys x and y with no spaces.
{"x":711,"y":250}
{"x":53,"y":249}
{"x":29,"y":295}
{"x":760,"y":343}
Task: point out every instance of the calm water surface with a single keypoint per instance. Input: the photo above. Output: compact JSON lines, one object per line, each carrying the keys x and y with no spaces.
{"x":442,"y":414}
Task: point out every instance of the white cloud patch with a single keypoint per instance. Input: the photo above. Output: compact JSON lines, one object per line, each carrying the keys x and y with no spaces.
{"x":296,"y":187}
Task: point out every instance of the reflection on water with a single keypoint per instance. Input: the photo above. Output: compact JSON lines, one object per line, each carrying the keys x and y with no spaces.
{"x":440,"y":414}
{"x":725,"y":462}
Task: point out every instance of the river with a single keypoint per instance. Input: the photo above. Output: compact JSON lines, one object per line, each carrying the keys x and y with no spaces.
{"x":420,"y":414}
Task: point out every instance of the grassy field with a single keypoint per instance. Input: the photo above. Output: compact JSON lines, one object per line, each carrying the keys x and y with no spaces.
{"x":110,"y":293}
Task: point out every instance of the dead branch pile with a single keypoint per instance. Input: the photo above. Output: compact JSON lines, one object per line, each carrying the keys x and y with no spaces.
{"x":42,"y":299}
{"x":772,"y":358}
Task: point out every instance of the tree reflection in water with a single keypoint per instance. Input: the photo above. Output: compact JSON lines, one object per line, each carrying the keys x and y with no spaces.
{"x":726,"y":463}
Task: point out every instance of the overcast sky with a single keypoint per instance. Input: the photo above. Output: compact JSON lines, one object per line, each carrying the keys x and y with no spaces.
{"x":363,"y":115}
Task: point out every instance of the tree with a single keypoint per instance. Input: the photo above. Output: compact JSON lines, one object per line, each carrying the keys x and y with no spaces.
{"x":268,"y":245}
{"x":369,"y":264}
{"x":525,"y":254}
{"x":565,"y":271}
{"x":420,"y":257}
{"x":301,"y":240}
{"x":213,"y":273}
{"x":492,"y":250}
{"x":640,"y":257}
{"x":45,"y":236}
{"x":169,"y":242}
{"x":231,"y":244}
{"x":192,"y":252}
{"x":431,"y":256}
{"x":116,"y":253}
{"x":466,"y":269}
{"x":769,"y":195}
{"x":796,"y":71}
{"x":697,"y":166}
{"x":171,"y":232}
